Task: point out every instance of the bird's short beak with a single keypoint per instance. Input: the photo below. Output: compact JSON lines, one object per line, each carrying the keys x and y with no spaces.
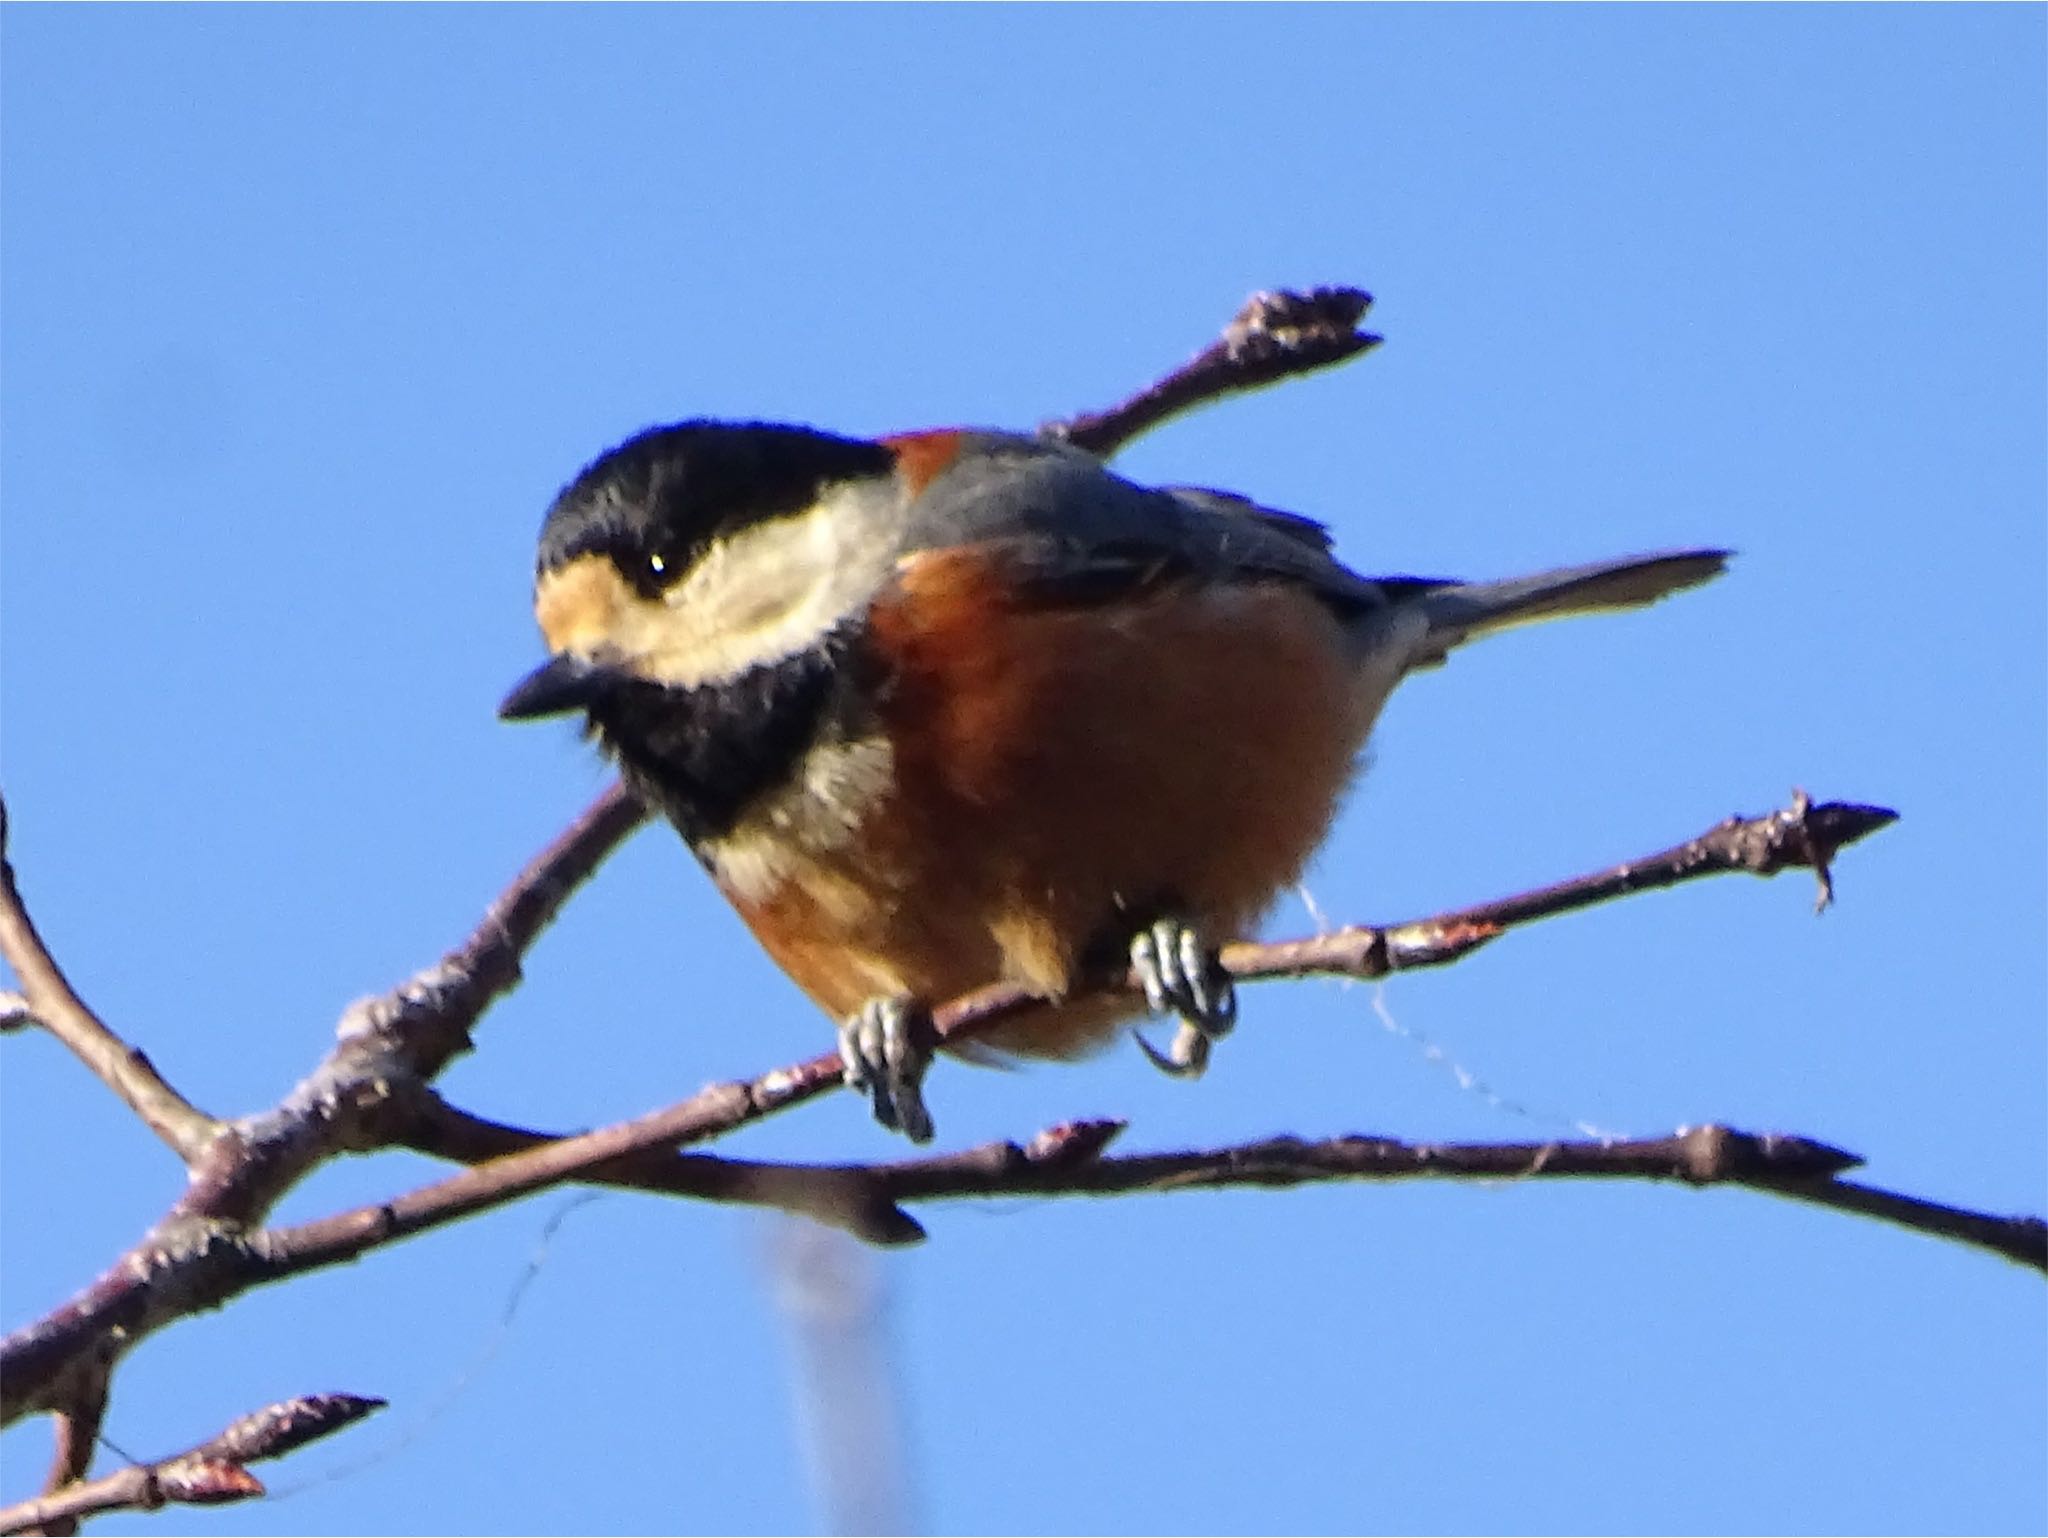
{"x":563,"y":683}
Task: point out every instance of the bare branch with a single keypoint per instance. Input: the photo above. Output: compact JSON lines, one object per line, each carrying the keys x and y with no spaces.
{"x":1275,"y":336}
{"x":370,"y":1089}
{"x":1779,"y":1164}
{"x":2020,"y":1238}
{"x":285,"y":1427}
{"x":1802,"y":835}
{"x":373,"y":1089}
{"x":48,"y":998}
{"x":445,"y":1132}
{"x":78,"y":1431}
{"x":210,"y":1474}
{"x":865,"y":1199}
{"x":195,"y":1257}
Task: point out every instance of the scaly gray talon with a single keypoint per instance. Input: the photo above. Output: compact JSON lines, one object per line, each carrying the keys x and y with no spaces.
{"x":1181,"y":976}
{"x":885,"y":1048}
{"x":1208,"y":986}
{"x":1145,"y":961}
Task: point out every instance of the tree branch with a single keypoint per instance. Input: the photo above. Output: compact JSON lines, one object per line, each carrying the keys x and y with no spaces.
{"x":1276,"y":336}
{"x":197,"y":1259}
{"x":210,"y":1474}
{"x":1782,"y":1165}
{"x":373,"y":1089}
{"x":444,"y":1132}
{"x":195,"y":1256}
{"x":78,"y":1432}
{"x":394,"y":1045}
{"x":47,"y":998}
{"x":865,"y":1199}
{"x":1802,"y":835}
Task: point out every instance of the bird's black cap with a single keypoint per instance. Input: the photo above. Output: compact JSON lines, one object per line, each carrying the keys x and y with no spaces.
{"x":670,"y":491}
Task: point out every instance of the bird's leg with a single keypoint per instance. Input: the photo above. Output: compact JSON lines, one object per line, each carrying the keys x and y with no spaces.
{"x":1181,"y":976}
{"x":886,"y":1046}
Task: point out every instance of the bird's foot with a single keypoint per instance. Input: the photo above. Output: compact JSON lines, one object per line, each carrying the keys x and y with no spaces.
{"x":1181,"y":976}
{"x":886,"y":1046}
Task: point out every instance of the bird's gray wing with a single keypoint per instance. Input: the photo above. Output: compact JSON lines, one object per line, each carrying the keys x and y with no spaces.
{"x":1069,"y":530}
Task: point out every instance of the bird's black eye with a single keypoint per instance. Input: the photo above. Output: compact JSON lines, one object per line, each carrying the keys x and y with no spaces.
{"x":652,"y":572}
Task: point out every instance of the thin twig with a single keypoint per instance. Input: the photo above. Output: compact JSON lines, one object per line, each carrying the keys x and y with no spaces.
{"x":210,"y":1474}
{"x":78,"y":1431}
{"x":1781,"y":1165}
{"x":1276,"y":336}
{"x":185,"y":1265}
{"x":445,"y":1132}
{"x":48,"y":998}
{"x":192,"y":1259}
{"x":1803,"y":835}
{"x":865,"y":1199}
{"x":2017,"y":1237}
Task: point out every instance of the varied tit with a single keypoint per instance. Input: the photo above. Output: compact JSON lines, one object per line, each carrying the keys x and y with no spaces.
{"x":959,"y":707}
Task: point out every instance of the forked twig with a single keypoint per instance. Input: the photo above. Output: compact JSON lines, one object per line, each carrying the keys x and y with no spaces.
{"x":212,"y":1473}
{"x":48,"y":999}
{"x":517,"y":1162}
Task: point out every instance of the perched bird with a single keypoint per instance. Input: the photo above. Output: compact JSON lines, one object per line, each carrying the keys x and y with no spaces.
{"x":958,"y":707}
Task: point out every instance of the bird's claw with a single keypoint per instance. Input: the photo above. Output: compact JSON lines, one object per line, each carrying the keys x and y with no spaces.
{"x":885,"y":1047}
{"x":1185,"y":1057}
{"x":1180,"y":976}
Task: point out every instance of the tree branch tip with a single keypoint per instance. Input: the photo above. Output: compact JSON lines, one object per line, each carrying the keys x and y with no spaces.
{"x":211,"y":1474}
{"x":1714,"y":1153}
{"x":277,"y":1429}
{"x":1807,"y":1156}
{"x":1277,"y":334}
{"x":1291,"y":316}
{"x":1826,"y":830}
{"x":1844,"y":822}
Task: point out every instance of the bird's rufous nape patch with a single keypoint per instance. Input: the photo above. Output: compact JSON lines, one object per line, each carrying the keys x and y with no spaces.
{"x":581,"y":604}
{"x":920,"y":457}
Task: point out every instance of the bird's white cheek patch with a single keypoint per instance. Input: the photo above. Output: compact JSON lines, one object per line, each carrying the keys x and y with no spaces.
{"x":771,"y":591}
{"x":754,"y":598}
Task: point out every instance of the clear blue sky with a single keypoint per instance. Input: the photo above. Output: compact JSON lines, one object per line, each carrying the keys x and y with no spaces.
{"x":309,"y":311}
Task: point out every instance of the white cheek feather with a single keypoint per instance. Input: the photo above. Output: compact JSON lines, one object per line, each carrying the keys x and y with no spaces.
{"x":772,"y":590}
